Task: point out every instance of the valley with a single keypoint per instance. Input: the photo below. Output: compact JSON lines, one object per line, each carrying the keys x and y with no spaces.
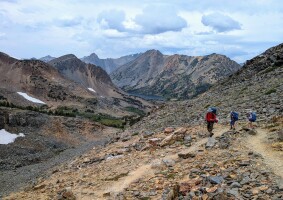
{"x":119,"y":146}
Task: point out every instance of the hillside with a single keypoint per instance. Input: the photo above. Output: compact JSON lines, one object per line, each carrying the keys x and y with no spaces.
{"x":59,"y":113}
{"x":37,"y":79}
{"x":168,"y":154}
{"x":257,"y":86}
{"x":175,"y":76}
{"x":88,"y":75}
{"x":108,"y":64}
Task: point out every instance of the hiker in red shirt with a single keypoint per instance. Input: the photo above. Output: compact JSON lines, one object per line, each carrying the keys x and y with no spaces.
{"x":210,"y":119}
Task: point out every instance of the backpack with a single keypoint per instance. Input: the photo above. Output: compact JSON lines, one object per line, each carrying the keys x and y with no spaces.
{"x":253,"y":119}
{"x":214,"y":110}
{"x":235,"y":116}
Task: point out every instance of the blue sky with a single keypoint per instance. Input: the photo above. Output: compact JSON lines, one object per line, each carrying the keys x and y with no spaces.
{"x":239,"y":29}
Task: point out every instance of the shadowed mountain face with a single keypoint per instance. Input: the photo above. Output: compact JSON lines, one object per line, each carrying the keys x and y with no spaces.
{"x":108,"y":64}
{"x":173,"y":76}
{"x":39,"y":80}
{"x":88,"y":75}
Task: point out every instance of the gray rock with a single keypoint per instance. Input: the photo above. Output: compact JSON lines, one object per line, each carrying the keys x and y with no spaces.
{"x":233,"y":192}
{"x":235,"y":185}
{"x":215,"y":179}
{"x":187,"y":139}
{"x":147,"y":134}
{"x":210,"y":143}
{"x":245,"y":180}
{"x":169,"y":162}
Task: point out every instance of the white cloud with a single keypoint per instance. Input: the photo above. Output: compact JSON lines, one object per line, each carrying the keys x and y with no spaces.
{"x":112,"y":19}
{"x":115,"y":28}
{"x":159,"y":19}
{"x":220,"y":22}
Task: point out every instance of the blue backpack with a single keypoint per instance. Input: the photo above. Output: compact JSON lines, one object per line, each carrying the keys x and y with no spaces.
{"x":235,"y":116}
{"x":214,"y":110}
{"x":253,"y":119}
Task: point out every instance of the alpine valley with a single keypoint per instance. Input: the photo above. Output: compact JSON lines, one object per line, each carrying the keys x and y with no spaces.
{"x":85,"y":137}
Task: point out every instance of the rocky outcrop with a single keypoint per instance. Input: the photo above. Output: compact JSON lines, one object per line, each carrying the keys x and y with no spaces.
{"x":178,"y":76}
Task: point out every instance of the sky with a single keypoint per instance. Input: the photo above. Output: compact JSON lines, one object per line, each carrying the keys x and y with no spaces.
{"x":238,"y":29}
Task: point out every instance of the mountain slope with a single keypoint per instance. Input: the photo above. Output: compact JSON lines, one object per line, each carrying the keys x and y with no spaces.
{"x":108,"y":64}
{"x":172,"y":76}
{"x":38,"y":79}
{"x":88,"y":75}
{"x":71,"y":84}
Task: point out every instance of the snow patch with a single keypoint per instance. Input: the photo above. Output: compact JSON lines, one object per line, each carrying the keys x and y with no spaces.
{"x":90,"y":89}
{"x":6,"y":137}
{"x":34,"y":100}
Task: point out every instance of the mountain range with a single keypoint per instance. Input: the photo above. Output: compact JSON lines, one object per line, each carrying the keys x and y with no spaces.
{"x":172,"y":76}
{"x":64,"y":81}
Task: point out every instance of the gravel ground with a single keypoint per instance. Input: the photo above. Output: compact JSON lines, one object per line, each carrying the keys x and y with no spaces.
{"x":13,"y":180}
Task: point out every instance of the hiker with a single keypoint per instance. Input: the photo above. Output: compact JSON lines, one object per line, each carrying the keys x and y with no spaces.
{"x":234,"y":117}
{"x":252,"y":118}
{"x":210,"y":119}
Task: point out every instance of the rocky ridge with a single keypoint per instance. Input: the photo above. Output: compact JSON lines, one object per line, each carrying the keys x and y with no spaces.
{"x":109,"y":64}
{"x":174,"y":76}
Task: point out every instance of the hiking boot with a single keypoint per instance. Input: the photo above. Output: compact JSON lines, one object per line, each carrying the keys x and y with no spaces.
{"x":211,"y":134}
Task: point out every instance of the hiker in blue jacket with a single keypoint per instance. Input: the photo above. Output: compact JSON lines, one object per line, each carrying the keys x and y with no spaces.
{"x":252,"y":118}
{"x":234,"y":117}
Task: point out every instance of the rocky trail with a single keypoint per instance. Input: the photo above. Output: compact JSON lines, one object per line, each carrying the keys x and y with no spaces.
{"x":147,"y":171}
{"x":177,"y":163}
{"x":259,"y":144}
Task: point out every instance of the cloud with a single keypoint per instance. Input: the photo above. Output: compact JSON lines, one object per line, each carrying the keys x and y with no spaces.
{"x":155,"y":20}
{"x":9,"y":1}
{"x":69,"y":22}
{"x":2,"y":36}
{"x":112,"y":19}
{"x":220,"y":22}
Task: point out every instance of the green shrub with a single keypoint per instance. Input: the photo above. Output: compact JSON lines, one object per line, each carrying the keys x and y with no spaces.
{"x":135,"y":110}
{"x":273,"y":90}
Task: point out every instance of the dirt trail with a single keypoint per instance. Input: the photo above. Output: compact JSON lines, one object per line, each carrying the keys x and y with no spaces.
{"x":147,"y":171}
{"x":271,"y":157}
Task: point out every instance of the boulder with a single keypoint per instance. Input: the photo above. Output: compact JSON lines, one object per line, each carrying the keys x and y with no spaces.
{"x":177,"y":135}
{"x":168,"y":130}
{"x":210,"y":143}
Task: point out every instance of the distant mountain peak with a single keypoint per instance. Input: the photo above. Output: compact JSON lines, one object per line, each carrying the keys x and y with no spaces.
{"x":108,"y":64}
{"x":153,"y":73}
{"x":47,"y":58}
